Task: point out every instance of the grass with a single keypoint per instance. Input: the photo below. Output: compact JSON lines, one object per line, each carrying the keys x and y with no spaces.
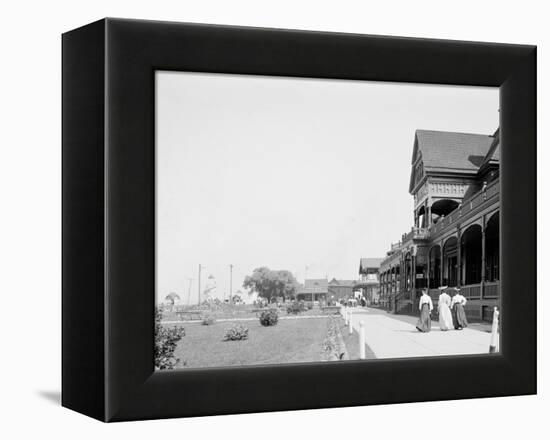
{"x":242,"y":311}
{"x":290,"y":341}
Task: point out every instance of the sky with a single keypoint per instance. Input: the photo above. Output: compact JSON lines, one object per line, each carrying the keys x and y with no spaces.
{"x":306,"y":175}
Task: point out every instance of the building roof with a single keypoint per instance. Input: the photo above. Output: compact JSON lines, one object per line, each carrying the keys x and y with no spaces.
{"x":342,"y":283}
{"x":314,"y":285}
{"x":369,"y":263}
{"x":315,"y":282}
{"x":493,"y":155}
{"x":446,"y":149}
{"x":449,"y":151}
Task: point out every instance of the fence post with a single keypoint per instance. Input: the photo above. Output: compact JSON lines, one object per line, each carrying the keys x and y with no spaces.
{"x":350,"y":322}
{"x":494,"y":333}
{"x":346,"y":316}
{"x":362,"y":354}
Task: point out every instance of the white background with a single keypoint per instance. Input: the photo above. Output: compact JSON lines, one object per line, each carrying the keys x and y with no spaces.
{"x":30,"y":217}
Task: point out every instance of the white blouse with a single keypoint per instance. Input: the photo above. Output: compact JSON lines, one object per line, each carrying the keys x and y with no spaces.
{"x":426,"y":299}
{"x":458,"y":299}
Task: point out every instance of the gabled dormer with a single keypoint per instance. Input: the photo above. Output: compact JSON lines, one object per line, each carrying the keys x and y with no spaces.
{"x":444,"y":165}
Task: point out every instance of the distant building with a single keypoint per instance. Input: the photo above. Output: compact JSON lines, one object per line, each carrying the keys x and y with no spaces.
{"x":313,"y":290}
{"x":341,"y":289}
{"x":455,"y":240}
{"x":369,"y":279}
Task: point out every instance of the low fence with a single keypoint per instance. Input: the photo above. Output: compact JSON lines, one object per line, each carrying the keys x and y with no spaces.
{"x":472,"y":291}
{"x":489,"y":290}
{"x":492,"y":290}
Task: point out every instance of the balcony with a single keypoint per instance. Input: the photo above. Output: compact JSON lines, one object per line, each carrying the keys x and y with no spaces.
{"x":467,"y":206}
{"x":416,"y":234}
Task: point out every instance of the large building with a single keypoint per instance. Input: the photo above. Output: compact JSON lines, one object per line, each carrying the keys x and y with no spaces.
{"x":313,"y":290}
{"x":369,"y":279}
{"x":455,"y":238}
{"x":341,"y":289}
{"x":320,"y":289}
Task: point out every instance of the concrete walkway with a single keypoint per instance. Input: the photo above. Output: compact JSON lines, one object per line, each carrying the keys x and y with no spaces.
{"x":392,"y":338}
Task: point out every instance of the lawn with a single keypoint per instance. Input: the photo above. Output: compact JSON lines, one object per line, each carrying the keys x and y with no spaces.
{"x":240,"y":311}
{"x":291,"y":340}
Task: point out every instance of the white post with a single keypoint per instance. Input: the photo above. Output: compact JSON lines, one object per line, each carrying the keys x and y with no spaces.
{"x":494,"y":333}
{"x":350,"y":322}
{"x":346,"y":315}
{"x":362,"y":354}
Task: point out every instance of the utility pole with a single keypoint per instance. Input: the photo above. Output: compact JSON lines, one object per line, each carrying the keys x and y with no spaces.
{"x":189,"y":291}
{"x":230,"y":284}
{"x":200,"y":268}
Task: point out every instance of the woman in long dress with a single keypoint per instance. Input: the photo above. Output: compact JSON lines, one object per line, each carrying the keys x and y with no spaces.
{"x":444,"y":308}
{"x":426,"y":306}
{"x":459,"y":315}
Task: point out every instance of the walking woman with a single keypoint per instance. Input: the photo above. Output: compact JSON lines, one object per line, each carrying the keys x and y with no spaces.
{"x":459,"y":315}
{"x":426,"y":306}
{"x":444,"y":308}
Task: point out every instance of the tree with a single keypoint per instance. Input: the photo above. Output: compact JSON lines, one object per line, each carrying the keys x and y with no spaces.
{"x":270,"y":284}
{"x":172,"y":297}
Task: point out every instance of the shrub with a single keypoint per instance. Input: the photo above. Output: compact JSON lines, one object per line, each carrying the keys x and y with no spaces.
{"x":269,"y":317}
{"x":166,"y":340}
{"x":237,"y":332}
{"x":295,"y":308}
{"x":309,"y":305}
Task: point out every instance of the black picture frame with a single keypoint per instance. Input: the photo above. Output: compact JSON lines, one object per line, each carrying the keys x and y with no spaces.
{"x":109,"y":222}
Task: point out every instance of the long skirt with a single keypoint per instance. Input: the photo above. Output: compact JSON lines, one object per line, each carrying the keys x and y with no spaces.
{"x":445,"y":317}
{"x":459,"y":317}
{"x":424,"y":323}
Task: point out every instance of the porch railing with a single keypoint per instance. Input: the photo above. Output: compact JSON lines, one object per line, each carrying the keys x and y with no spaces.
{"x":467,"y":206}
{"x":473,"y":291}
{"x":416,"y":234}
{"x":492,"y":290}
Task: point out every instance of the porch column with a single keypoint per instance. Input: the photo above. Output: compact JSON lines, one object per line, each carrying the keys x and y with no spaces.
{"x":426,"y":215}
{"x":441,"y":264}
{"x":482,"y":288}
{"x":413,"y":272}
{"x":459,"y":257}
{"x":428,"y":270}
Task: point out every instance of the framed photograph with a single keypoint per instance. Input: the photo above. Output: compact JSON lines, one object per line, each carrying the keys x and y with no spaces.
{"x":262,"y":219}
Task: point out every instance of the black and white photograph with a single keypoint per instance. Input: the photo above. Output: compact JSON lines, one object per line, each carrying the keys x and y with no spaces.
{"x":307,"y":220}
